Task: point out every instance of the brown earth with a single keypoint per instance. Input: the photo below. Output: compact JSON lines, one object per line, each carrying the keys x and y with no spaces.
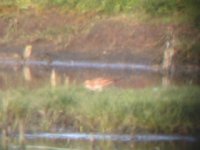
{"x":90,"y":36}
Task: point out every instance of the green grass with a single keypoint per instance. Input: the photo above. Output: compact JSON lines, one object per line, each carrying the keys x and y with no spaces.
{"x":158,"y":110}
{"x":154,"y":7}
{"x":79,"y":5}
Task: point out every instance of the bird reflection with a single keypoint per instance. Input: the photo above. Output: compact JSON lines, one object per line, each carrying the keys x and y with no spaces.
{"x":66,"y":81}
{"x":27,"y":73}
{"x":53,"y":78}
{"x":166,"y":81}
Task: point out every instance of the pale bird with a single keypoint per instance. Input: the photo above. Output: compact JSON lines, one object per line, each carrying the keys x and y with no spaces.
{"x":27,"y":52}
{"x":97,"y":84}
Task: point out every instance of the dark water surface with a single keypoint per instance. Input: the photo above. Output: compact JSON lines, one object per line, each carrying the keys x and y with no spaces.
{"x":83,"y":141}
{"x":37,"y":73}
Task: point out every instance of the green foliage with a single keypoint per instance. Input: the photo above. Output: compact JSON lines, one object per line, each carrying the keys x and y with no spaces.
{"x":96,"y":5}
{"x":7,"y":2}
{"x":188,"y":8}
{"x":191,"y":8}
{"x":23,"y":4}
{"x":160,"y":7}
{"x":173,"y":110}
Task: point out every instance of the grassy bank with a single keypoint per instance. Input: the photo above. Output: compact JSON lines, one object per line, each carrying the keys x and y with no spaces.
{"x":158,"y":110}
{"x":154,"y":7}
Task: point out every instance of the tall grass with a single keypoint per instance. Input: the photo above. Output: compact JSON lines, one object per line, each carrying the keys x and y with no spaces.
{"x":150,"y":6}
{"x":183,"y":10}
{"x":174,"y":110}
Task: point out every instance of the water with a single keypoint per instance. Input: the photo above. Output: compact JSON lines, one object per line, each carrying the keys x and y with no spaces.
{"x":84,"y":141}
{"x":37,"y":73}
{"x":83,"y":64}
{"x":33,"y":74}
{"x":111,"y":137}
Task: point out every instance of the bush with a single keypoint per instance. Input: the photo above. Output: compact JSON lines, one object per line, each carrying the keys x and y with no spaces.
{"x":160,"y":7}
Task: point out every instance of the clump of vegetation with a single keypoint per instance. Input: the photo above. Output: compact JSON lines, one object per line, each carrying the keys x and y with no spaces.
{"x":161,"y":7}
{"x":159,"y":110}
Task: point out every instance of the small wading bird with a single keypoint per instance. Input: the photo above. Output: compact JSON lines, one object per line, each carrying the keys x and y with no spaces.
{"x":97,"y":84}
{"x":27,"y":52}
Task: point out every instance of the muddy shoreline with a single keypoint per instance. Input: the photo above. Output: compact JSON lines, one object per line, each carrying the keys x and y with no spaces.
{"x":90,"y":36}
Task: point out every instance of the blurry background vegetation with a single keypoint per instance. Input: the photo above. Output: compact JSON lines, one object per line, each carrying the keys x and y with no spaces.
{"x":186,"y":8}
{"x":180,"y":12}
{"x":178,"y":105}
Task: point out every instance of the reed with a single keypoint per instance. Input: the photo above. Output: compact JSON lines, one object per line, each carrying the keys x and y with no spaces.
{"x":158,"y":110}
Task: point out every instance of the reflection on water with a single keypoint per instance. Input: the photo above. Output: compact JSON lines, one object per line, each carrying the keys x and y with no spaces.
{"x":35,"y":74}
{"x":111,"y":137}
{"x":53,"y":78}
{"x":81,"y":145}
{"x":166,"y":81}
{"x":27,"y":73}
{"x":105,"y":142}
